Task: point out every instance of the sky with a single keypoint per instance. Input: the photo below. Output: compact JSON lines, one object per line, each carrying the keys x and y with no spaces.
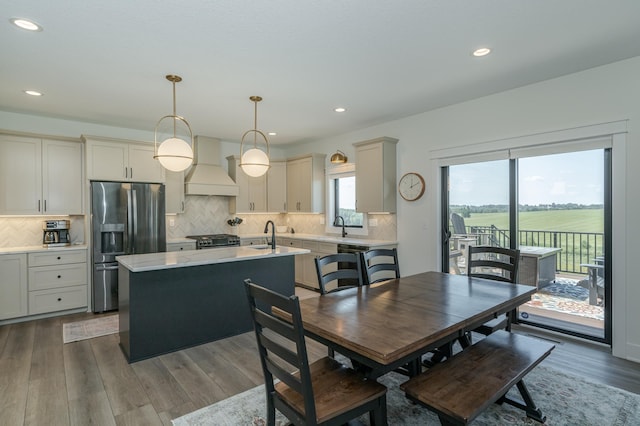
{"x":576,"y":177}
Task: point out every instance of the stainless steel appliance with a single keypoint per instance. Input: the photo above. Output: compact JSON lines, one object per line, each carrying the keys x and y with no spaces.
{"x":55,"y":233}
{"x":215,"y":240}
{"x":126,"y":218}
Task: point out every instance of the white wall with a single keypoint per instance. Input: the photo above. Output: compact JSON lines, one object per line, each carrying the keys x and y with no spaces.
{"x":603,"y":94}
{"x":600,"y":95}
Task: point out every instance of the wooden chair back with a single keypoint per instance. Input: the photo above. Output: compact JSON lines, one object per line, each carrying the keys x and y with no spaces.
{"x":338,"y":271}
{"x":380,"y":265}
{"x":325,"y":392}
{"x":494,"y":263}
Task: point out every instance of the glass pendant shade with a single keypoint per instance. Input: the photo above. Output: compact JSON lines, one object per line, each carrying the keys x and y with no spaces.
{"x":175,"y":154}
{"x":254,"y":162}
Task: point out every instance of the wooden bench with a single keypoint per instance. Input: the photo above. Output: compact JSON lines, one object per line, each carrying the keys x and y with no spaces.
{"x":461,"y":387}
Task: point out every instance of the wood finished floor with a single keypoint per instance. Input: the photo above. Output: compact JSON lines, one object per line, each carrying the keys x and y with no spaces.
{"x":45,"y":382}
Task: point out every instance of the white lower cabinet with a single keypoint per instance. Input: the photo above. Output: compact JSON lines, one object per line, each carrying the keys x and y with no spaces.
{"x":309,"y":276}
{"x":191,"y":245}
{"x":13,"y":286}
{"x":257,"y":241}
{"x":57,"y":281}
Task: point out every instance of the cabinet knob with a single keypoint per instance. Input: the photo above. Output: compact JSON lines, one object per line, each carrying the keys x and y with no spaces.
{"x":59,"y":276}
{"x":58,"y":257}
{"x":59,"y":299}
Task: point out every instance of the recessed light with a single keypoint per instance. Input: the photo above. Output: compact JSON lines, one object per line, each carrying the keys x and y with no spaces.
{"x":25,"y":24}
{"x":340,"y":109}
{"x":483,"y":51}
{"x":33,"y":92}
{"x":272,"y":133}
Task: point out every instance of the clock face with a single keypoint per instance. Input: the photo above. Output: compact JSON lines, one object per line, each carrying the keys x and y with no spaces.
{"x":411,"y":186}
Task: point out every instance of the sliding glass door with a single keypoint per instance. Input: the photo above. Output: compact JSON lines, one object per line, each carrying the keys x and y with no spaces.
{"x":556,"y":209}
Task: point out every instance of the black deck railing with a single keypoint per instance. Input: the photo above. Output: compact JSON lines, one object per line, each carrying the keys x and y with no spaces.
{"x":577,"y":247}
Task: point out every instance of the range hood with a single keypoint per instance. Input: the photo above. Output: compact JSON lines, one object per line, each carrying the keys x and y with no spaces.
{"x":206,"y":176}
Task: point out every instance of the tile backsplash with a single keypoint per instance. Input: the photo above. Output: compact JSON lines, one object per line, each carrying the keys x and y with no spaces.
{"x":204,"y":215}
{"x":209,"y":215}
{"x":27,"y":231}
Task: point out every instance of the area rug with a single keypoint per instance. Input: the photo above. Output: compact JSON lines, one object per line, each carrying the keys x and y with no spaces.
{"x":565,"y":400}
{"x":81,"y":330}
{"x":566,"y":290}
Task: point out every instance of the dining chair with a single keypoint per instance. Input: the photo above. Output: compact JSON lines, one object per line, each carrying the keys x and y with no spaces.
{"x":324,"y":392}
{"x":380,"y":265}
{"x":494,"y":263}
{"x":338,"y":271}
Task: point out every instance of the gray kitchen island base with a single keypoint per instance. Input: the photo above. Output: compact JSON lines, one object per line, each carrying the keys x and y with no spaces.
{"x":167,"y":310}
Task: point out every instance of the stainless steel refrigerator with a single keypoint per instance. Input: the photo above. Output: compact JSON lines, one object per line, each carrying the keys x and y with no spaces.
{"x":126,"y":218}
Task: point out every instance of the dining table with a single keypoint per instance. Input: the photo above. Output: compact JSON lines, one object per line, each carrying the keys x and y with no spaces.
{"x":384,"y":326}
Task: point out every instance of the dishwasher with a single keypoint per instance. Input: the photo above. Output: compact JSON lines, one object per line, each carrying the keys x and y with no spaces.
{"x":351,"y":248}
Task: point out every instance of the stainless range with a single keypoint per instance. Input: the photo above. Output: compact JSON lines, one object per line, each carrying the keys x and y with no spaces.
{"x":215,"y":240}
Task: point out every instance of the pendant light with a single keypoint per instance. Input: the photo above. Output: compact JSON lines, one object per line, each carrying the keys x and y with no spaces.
{"x":175,"y":154}
{"x":254,"y":161}
{"x":339,"y":157}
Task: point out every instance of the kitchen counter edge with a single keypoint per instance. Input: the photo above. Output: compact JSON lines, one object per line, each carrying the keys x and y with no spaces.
{"x":325,"y":239}
{"x":182,"y":259}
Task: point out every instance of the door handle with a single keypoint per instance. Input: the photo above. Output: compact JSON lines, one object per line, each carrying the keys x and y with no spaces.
{"x":446,"y":235}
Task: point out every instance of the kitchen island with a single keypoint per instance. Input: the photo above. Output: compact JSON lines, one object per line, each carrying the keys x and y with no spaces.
{"x":174,"y":300}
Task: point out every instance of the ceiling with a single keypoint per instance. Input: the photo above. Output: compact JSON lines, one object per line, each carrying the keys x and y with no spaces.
{"x":105,"y":62}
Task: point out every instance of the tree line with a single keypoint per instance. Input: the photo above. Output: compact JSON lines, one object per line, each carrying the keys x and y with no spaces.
{"x":466,"y":210}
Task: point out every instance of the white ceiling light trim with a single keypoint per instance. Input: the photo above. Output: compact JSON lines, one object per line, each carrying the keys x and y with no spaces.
{"x":33,"y":92}
{"x":25,"y":24}
{"x":483,"y":51}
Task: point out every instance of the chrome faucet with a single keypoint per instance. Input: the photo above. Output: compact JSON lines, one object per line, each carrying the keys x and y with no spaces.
{"x":335,"y":223}
{"x":273,"y":233}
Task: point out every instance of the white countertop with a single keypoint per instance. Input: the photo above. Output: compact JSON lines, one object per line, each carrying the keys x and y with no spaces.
{"x":34,"y":249}
{"x":181,"y":259}
{"x":326,"y":239}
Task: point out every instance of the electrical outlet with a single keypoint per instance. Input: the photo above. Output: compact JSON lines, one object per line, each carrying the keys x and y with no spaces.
{"x":321,"y":220}
{"x":172,"y":222}
{"x":373,"y":222}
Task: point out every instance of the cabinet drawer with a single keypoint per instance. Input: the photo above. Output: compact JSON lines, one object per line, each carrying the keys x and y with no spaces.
{"x":310,"y":245}
{"x":44,"y":277}
{"x":328,"y":248}
{"x":181,"y":246}
{"x":57,"y":258}
{"x":43,"y":301}
{"x":290,"y":242}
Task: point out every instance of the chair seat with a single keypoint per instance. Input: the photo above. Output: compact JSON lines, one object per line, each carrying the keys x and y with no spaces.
{"x":336,"y":388}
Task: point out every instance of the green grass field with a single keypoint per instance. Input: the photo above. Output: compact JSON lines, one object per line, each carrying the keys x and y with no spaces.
{"x":550,"y":220}
{"x":576,"y":248}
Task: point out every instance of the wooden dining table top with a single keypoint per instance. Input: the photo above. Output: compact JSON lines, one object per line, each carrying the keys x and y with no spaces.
{"x":390,"y":322}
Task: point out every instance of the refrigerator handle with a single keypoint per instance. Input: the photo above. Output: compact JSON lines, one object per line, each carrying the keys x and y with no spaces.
{"x":129,"y":222}
{"x":134,"y":198}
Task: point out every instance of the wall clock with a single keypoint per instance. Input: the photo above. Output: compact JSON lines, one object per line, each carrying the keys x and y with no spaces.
{"x":411,"y":186}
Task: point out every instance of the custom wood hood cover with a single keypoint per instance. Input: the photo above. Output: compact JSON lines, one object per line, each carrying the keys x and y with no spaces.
{"x":206,"y":176}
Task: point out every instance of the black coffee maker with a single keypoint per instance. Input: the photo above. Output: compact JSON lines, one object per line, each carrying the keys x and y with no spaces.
{"x":56,"y":233}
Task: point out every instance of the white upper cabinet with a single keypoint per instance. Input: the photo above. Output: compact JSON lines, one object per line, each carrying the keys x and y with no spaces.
{"x":376,"y":175}
{"x":40,"y":176}
{"x":111,"y":159}
{"x":277,"y":187}
{"x":174,"y":192}
{"x":305,"y":184}
{"x":252,"y":197}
